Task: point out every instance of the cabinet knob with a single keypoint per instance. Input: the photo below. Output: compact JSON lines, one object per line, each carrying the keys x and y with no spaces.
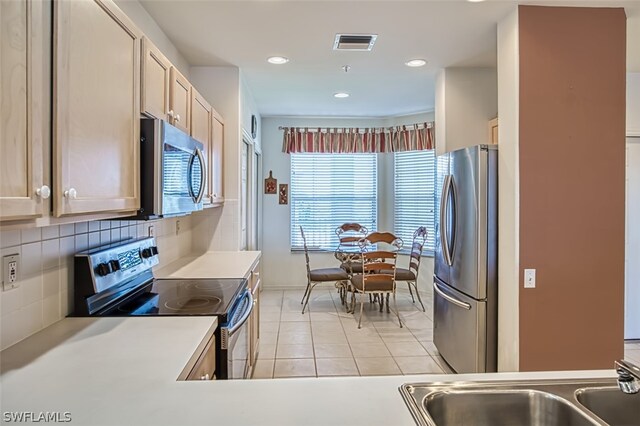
{"x":171,"y":113}
{"x":177,"y":117}
{"x":43,"y":192}
{"x":71,"y":193}
{"x":205,"y":377}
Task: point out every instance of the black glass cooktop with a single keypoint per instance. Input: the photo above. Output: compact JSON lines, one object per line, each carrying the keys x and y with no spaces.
{"x":182,"y":297}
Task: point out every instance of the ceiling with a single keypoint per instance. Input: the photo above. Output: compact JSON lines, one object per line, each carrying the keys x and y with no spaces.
{"x":446,"y":33}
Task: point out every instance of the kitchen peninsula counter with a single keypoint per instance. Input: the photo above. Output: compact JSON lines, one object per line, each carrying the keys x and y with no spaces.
{"x":114,"y":371}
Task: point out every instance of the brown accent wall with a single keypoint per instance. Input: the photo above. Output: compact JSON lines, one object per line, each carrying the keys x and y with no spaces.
{"x":572,"y":186}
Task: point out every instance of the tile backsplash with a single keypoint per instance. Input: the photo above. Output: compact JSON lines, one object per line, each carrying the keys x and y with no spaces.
{"x":45,"y":292}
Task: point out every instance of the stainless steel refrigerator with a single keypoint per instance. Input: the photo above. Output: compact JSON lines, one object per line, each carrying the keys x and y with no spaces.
{"x":466,"y":261}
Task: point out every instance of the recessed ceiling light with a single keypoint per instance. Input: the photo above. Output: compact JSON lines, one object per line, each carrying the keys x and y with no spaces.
{"x":475,"y":1}
{"x":277,"y":60}
{"x":416,"y":63}
{"x":341,"y":95}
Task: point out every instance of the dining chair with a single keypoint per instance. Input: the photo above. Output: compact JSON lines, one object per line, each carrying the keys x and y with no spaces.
{"x":379,"y":253}
{"x":349,"y":234}
{"x":410,"y":275}
{"x":320,"y":275}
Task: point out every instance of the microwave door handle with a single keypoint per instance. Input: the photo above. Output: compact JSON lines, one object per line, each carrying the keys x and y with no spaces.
{"x":203,"y":174}
{"x":245,"y":316}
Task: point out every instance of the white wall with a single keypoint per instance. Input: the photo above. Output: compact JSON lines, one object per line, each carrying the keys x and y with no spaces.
{"x":466,"y":99}
{"x":281,"y":267}
{"x":508,"y":194}
{"x":633,"y":104}
{"x":134,"y":10}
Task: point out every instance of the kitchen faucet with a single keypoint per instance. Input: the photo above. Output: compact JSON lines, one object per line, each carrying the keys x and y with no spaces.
{"x":628,"y":376}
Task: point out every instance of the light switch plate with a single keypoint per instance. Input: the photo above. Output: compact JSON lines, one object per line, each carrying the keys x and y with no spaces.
{"x":10,"y":271}
{"x":529,"y":278}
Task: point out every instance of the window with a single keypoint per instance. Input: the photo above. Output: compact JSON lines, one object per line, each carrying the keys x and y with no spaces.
{"x":414,"y":196}
{"x":328,"y":190}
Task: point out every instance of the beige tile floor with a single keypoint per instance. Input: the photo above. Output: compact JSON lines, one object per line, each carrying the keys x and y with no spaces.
{"x":326,"y":340}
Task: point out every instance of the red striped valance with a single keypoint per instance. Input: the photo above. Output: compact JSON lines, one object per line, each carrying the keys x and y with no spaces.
{"x":416,"y":137}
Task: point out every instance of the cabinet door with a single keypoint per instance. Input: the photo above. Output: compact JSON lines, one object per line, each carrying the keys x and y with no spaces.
{"x":180,"y":101}
{"x":201,"y":115}
{"x":216,"y":171}
{"x":21,"y":97}
{"x":155,"y":81}
{"x":96,"y":108}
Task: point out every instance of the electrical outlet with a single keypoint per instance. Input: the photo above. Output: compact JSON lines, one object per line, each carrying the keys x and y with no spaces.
{"x":177,"y":226}
{"x":529,"y":278}
{"x":10,"y":268}
{"x":151,"y":231}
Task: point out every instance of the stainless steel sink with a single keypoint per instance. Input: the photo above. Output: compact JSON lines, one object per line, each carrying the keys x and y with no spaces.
{"x":611,"y":405}
{"x":536,"y":403}
{"x":502,"y":407}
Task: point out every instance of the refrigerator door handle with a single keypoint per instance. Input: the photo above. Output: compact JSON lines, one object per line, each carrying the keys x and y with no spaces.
{"x":454,"y":221}
{"x":450,"y":299}
{"x":444,"y":237}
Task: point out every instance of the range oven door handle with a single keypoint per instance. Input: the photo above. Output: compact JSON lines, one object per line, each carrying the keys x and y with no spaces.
{"x":244,"y":317}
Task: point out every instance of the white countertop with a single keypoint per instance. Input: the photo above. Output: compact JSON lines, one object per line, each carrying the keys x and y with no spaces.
{"x":212,"y":264}
{"x":117,"y":371}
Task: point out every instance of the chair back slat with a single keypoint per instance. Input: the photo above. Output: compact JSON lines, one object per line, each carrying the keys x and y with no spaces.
{"x":379,"y":254}
{"x":379,"y":266}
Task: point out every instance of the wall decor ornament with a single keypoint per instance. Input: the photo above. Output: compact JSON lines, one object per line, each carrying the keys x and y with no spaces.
{"x":270,"y":184}
{"x":283,"y":193}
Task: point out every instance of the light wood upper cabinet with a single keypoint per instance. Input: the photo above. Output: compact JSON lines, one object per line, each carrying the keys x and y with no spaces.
{"x":156,"y":70}
{"x":21,"y":110}
{"x":216,"y":156}
{"x":201,"y":116}
{"x":180,"y":100}
{"x":96,"y":108}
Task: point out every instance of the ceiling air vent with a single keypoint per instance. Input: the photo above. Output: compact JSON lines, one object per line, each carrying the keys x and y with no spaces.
{"x":354,"y":41}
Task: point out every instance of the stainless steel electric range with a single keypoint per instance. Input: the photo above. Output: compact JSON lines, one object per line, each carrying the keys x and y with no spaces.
{"x":117,"y":280}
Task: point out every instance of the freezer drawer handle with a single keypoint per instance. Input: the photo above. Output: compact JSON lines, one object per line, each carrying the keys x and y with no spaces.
{"x":451,"y":299}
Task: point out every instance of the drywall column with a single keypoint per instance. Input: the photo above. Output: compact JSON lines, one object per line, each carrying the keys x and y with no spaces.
{"x":508,"y":194}
{"x":466,"y":99}
{"x":572,"y":186}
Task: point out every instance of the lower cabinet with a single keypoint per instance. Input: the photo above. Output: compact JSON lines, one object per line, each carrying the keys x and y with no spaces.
{"x":254,"y":320}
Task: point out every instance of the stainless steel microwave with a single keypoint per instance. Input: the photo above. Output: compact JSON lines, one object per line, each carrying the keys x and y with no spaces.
{"x":172,"y":173}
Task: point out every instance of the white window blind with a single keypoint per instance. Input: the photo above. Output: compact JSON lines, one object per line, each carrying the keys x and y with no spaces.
{"x":328,"y":190}
{"x":414,"y":196}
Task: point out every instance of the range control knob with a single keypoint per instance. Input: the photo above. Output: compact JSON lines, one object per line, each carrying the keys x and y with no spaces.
{"x":103,"y":269}
{"x":154,"y":250}
{"x":115,"y":265}
{"x":146,"y":253}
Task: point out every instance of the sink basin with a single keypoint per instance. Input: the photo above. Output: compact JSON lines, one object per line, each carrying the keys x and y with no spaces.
{"x":534,"y":402}
{"x":502,"y":407}
{"x":611,"y":405}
